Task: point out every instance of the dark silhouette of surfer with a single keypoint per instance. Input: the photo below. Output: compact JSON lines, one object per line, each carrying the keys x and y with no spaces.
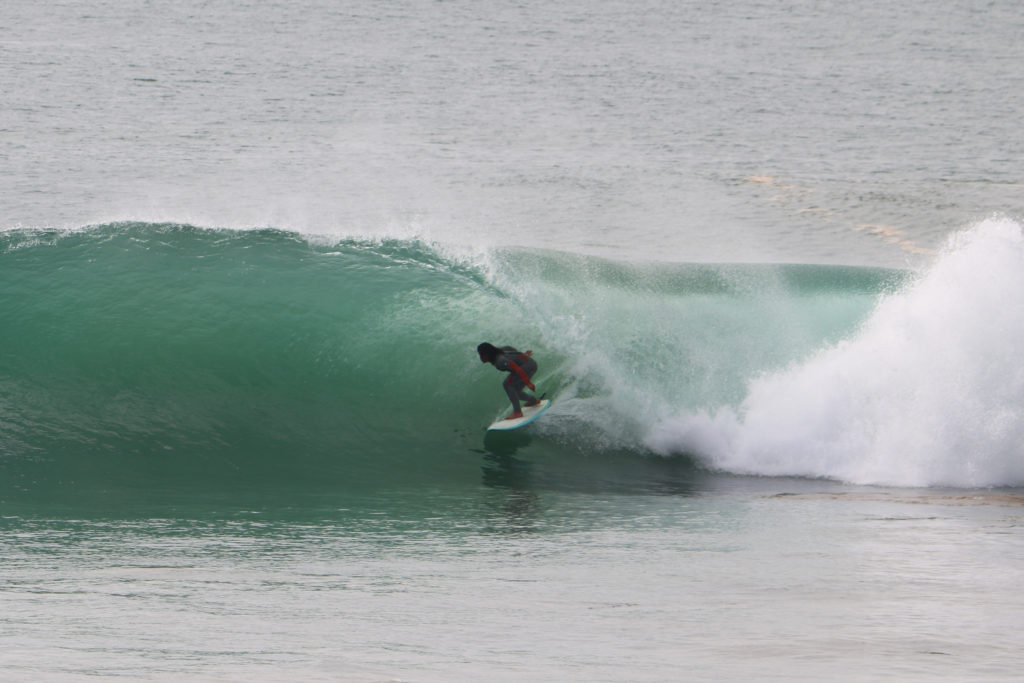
{"x":520,"y":367}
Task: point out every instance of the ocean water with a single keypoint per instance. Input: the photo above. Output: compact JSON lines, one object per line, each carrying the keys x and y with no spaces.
{"x":769,"y":256}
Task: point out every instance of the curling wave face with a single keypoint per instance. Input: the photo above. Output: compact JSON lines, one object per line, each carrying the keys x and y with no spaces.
{"x":141,"y":354}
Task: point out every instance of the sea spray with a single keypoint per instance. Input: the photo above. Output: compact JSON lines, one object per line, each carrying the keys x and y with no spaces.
{"x":929,"y":391}
{"x":639,"y":342}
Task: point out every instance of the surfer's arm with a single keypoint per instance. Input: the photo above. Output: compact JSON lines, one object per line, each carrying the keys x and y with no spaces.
{"x":522,"y":375}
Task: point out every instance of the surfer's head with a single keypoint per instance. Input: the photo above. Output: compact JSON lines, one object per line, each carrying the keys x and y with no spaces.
{"x":487,"y":352}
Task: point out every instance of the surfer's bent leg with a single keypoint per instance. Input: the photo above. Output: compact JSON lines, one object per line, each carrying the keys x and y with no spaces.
{"x":514,"y":387}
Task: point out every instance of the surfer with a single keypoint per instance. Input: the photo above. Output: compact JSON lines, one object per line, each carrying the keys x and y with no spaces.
{"x":520,"y":368}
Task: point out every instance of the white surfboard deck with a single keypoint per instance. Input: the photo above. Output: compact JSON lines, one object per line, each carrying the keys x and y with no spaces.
{"x":529,"y":415}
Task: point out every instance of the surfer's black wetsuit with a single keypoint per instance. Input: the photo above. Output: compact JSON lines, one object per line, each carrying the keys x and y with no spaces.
{"x":514,"y":384}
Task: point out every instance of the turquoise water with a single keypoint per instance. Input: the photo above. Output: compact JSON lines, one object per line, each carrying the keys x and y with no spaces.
{"x":198,"y":360}
{"x":249,"y":453}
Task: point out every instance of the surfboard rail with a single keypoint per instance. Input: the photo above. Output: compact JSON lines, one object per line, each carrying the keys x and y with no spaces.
{"x":530,"y":414}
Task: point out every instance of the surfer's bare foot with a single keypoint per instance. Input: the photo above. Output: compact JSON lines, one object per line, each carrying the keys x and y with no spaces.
{"x":532,"y":404}
{"x":515,"y":416}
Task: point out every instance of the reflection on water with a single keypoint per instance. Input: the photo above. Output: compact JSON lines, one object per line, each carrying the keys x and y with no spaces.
{"x":507,"y":442}
{"x":517,"y":460}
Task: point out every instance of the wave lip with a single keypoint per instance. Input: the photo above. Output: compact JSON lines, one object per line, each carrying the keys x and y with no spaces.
{"x":928,"y":392}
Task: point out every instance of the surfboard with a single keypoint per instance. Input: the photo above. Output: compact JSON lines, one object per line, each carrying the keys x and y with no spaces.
{"x":529,"y":415}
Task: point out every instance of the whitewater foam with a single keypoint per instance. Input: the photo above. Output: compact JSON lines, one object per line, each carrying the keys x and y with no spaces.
{"x":928,"y":392}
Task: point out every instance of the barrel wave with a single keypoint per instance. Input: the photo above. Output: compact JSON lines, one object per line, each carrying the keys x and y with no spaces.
{"x":154,"y":356}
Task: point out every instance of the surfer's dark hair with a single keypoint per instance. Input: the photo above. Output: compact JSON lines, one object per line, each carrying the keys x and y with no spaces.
{"x":488,"y":352}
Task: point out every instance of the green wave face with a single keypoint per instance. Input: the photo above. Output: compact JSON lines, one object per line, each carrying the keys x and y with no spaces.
{"x":146,"y":356}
